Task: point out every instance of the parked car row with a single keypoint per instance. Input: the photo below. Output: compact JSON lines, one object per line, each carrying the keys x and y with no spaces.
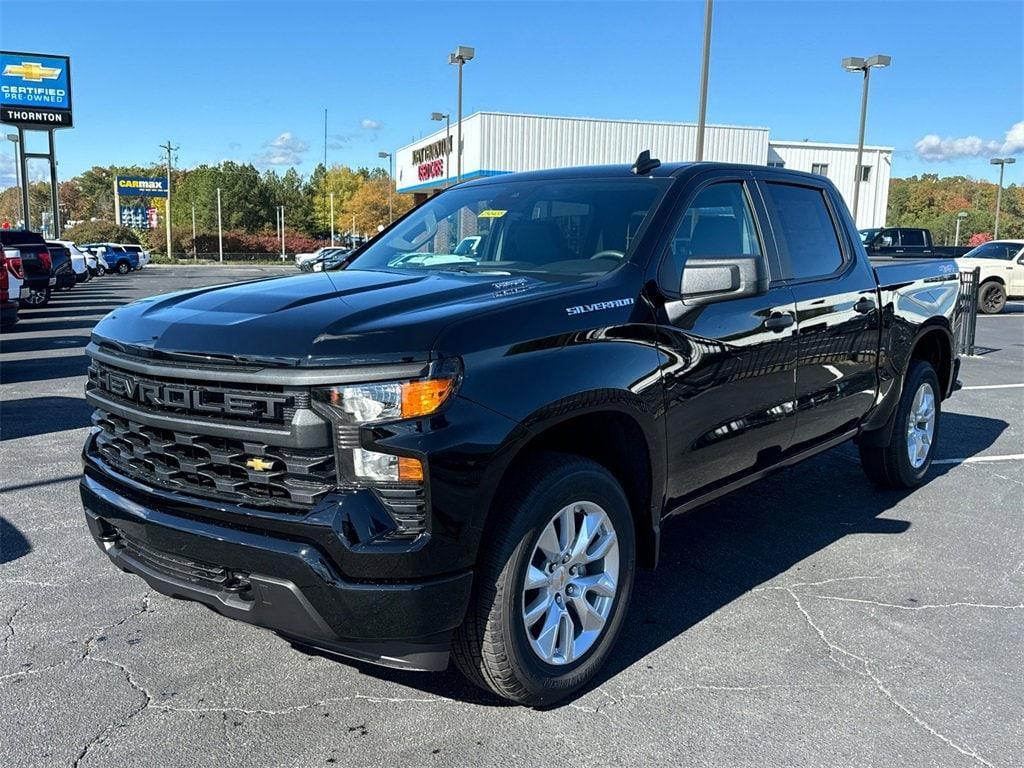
{"x":33,"y":268}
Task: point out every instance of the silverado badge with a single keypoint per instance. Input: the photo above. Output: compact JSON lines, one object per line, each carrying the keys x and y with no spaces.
{"x":260,"y":465}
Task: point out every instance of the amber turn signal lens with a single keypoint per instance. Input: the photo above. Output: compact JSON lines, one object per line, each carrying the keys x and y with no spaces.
{"x":410,"y":470}
{"x":420,"y":398}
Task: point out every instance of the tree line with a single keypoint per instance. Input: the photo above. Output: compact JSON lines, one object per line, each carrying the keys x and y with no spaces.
{"x":249,"y":203}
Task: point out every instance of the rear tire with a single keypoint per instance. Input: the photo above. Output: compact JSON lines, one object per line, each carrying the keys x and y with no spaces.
{"x":991,"y":298}
{"x":905,"y":460}
{"x":498,"y":646}
{"x":123,"y":267}
{"x":37,"y":299}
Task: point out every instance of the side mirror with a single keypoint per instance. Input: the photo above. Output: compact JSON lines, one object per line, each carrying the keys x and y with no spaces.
{"x":715,"y":279}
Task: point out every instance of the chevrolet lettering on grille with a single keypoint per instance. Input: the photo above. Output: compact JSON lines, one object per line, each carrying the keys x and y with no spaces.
{"x":192,"y":398}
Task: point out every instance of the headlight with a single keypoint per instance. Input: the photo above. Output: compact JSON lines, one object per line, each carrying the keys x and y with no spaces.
{"x":351,"y":406}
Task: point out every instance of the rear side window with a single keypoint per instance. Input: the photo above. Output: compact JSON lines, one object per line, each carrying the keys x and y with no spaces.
{"x":806,"y":234}
{"x":911,"y":237}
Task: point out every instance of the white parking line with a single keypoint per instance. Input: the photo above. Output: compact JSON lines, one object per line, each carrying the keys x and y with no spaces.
{"x":994,"y":386}
{"x":977,"y":459}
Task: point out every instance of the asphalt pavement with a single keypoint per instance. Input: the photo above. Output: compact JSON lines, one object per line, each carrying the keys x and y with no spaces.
{"x":809,"y":620}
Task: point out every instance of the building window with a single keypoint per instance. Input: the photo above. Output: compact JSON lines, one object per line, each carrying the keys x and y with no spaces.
{"x":776,"y":164}
{"x":820,"y":168}
{"x":865,"y":173}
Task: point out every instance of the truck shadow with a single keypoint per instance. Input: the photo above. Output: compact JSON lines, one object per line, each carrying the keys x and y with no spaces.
{"x":13,"y":543}
{"x":717,"y":553}
{"x":32,"y":416}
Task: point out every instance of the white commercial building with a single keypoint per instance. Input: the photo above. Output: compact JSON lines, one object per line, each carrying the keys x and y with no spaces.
{"x":495,"y":143}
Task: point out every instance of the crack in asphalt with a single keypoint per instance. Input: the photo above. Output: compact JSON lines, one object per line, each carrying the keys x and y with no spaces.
{"x":920,"y":607}
{"x":90,"y":646}
{"x":866,"y":671}
{"x":9,"y":626}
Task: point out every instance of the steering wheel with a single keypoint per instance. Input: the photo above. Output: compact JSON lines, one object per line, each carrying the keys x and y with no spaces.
{"x":609,"y":255}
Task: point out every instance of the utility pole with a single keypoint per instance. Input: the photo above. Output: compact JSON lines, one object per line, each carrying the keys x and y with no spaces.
{"x":353,"y":230}
{"x":326,"y":178}
{"x":167,"y":214}
{"x":220,"y":229}
{"x":702,"y":110}
{"x":195,"y":254}
{"x":332,"y":219}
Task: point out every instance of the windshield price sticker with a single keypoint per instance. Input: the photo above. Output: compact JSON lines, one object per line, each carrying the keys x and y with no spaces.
{"x":491,"y":214}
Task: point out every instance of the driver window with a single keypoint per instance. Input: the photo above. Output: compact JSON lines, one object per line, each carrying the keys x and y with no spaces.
{"x":717,"y":224}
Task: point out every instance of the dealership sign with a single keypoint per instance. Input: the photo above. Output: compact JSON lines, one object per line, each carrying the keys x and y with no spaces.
{"x":432,"y":169}
{"x":35,"y":90}
{"x":141,"y":186}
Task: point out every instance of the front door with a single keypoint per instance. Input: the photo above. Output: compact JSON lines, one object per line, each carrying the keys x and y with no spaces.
{"x":836,"y":307}
{"x":730,"y":373}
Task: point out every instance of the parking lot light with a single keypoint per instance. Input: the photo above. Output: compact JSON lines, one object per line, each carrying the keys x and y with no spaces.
{"x":858,"y":64}
{"x":460,"y":56}
{"x":1002,"y":162}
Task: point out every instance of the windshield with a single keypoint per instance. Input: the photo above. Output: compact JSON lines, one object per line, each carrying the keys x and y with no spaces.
{"x":1004,"y":251}
{"x":567,"y":228}
{"x":867,"y":235}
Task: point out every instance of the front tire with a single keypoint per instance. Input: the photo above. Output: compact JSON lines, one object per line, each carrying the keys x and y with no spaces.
{"x":991,"y":298}
{"x":553,"y":584}
{"x":905,"y":460}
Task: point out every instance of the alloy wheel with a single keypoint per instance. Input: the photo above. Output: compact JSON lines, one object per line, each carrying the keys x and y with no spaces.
{"x":571,"y":582}
{"x":921,"y":425}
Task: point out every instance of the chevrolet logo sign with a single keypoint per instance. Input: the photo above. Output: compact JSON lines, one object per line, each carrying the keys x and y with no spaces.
{"x":32,"y":71}
{"x":258,"y":464}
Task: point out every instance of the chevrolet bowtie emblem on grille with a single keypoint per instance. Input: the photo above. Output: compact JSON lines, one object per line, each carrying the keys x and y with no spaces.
{"x":259,"y":464}
{"x":32,"y":71}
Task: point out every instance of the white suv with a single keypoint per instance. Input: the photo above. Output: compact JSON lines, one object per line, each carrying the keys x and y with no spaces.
{"x":1001,"y":267}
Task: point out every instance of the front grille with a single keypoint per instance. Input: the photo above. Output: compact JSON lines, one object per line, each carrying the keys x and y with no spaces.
{"x":247,"y":404}
{"x":194,"y":571}
{"x":215,"y":467}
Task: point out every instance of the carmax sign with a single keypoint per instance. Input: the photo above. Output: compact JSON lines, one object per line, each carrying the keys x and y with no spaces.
{"x":35,"y":89}
{"x":140,"y":186}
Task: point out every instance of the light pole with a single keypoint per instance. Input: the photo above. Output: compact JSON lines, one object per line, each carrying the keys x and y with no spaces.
{"x":195,"y":254}
{"x":857,"y":64}
{"x":447,"y":117}
{"x":391,"y":207}
{"x":1002,"y":162}
{"x":332,"y":219}
{"x":702,"y":110}
{"x":461,"y":55}
{"x":959,"y":218}
{"x":17,"y":174}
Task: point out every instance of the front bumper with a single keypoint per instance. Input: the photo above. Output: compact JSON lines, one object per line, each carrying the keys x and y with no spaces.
{"x":283,"y":584}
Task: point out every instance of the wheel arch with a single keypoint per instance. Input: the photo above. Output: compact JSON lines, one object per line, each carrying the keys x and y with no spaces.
{"x":608,"y":427}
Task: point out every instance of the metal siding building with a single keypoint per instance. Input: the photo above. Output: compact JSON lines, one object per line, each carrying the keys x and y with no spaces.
{"x":495,"y":143}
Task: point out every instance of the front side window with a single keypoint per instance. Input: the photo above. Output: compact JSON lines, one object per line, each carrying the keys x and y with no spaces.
{"x":717,"y":224}
{"x":574,"y":228}
{"x":804,"y":229}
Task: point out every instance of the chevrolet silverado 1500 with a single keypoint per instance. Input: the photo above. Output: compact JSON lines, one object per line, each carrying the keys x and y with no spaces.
{"x":424,"y":454}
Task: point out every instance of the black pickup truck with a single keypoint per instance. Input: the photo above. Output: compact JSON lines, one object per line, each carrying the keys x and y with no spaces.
{"x":907,"y":243}
{"x":423,"y":454}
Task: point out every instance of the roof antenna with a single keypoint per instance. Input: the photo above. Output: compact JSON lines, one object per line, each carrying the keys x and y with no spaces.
{"x":645,"y":163}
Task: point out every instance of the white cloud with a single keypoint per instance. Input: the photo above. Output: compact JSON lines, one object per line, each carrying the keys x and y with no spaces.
{"x":371,"y":125}
{"x":933,"y":147}
{"x":286,"y":149}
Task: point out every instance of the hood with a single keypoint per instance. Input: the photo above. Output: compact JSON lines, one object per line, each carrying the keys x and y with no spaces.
{"x":323,"y":318}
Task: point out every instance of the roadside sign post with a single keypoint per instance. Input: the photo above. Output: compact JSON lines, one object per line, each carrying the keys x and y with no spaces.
{"x":36,"y":96}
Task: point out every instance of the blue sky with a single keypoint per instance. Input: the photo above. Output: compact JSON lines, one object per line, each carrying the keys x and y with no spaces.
{"x":249,"y":81}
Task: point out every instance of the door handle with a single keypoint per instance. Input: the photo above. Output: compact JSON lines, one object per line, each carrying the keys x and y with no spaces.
{"x":779,"y":320}
{"x":864,"y":306}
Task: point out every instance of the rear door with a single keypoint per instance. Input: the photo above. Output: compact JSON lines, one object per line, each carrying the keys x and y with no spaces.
{"x":731,"y":362}
{"x":836,"y":299}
